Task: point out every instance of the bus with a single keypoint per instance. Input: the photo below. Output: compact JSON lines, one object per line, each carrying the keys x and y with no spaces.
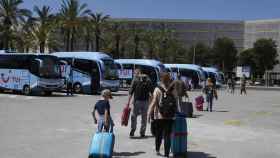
{"x":30,"y":73}
{"x":148,"y":66}
{"x":91,"y":71}
{"x":190,"y":71}
{"x":214,"y":74}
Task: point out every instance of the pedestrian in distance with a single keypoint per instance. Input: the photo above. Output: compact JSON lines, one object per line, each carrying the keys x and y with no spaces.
{"x":163,"y":112}
{"x":210,"y":93}
{"x":179,"y":90}
{"x":229,"y":84}
{"x":101,"y":113}
{"x":243,"y":85}
{"x":232,"y":85}
{"x":141,"y":90}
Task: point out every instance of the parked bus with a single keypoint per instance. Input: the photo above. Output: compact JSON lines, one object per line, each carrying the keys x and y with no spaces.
{"x":91,"y":71}
{"x":29,"y":73}
{"x":190,"y":71}
{"x":214,"y":74}
{"x":148,"y":66}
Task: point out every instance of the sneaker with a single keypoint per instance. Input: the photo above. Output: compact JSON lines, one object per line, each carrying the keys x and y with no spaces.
{"x":158,"y":153}
{"x":131,"y":134}
{"x":142,"y":135}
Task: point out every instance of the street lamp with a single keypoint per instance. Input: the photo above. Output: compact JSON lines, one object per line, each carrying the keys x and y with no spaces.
{"x":194,"y":47}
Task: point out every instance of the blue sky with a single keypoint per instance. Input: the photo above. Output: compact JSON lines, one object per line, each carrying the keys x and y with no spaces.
{"x":178,"y":9}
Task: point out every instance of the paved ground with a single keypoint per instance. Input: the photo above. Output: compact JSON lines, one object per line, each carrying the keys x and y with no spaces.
{"x":60,"y":127}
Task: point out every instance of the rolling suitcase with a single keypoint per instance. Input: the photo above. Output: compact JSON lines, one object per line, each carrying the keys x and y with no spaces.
{"x":125,"y":114}
{"x":179,"y":135}
{"x":102,"y":145}
{"x":199,"y":103}
{"x":187,"y":108}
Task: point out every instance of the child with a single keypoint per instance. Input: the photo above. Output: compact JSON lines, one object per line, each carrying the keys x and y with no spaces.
{"x":101,"y":112}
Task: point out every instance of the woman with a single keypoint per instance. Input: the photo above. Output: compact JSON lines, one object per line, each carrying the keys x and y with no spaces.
{"x":162,"y":125}
{"x":210,"y":93}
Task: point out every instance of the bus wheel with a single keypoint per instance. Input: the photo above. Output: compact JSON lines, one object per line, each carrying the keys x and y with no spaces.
{"x":77,"y":88}
{"x":48,"y":93}
{"x":26,"y":90}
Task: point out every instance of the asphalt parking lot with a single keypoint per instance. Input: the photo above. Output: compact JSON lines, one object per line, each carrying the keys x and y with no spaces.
{"x":61,"y":127}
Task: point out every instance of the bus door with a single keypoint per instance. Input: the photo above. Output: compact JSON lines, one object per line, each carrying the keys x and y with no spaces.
{"x":95,"y":79}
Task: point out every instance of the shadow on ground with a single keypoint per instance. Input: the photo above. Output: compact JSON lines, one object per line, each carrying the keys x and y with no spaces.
{"x":192,"y":154}
{"x":146,"y":137}
{"x":197,"y":116}
{"x":127,"y":154}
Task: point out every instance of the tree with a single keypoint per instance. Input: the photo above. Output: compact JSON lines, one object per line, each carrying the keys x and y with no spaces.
{"x":71,"y":18}
{"x":224,"y":53}
{"x":265,"y":55}
{"x":136,"y":38}
{"x":151,"y":39}
{"x":44,"y":24}
{"x":98,"y":21}
{"x":11,"y":15}
{"x":202,"y":54}
{"x":247,"y":58}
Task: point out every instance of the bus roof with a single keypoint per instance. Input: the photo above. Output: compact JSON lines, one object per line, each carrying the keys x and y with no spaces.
{"x":83,"y":55}
{"x":210,"y":69}
{"x":184,"y":66}
{"x":27,"y":54}
{"x":148,"y":62}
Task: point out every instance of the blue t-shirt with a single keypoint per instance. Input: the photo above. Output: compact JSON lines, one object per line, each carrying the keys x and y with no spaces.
{"x":101,"y":106}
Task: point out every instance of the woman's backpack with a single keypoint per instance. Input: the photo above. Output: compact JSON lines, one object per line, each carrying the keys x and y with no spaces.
{"x":167,"y":104}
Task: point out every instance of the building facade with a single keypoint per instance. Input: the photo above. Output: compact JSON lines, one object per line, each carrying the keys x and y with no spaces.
{"x":257,"y":29}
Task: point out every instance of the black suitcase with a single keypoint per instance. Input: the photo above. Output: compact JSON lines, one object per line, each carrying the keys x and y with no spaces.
{"x":187,"y":108}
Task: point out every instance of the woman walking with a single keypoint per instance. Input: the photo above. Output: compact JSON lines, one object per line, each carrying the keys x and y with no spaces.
{"x":210,"y":92}
{"x":162,"y":122}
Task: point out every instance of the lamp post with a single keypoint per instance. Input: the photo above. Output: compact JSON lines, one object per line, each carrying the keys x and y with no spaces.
{"x":194,"y":47}
{"x":194,"y":53}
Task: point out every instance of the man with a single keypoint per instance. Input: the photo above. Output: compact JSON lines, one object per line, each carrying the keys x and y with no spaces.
{"x":179,"y":90}
{"x":141,"y":90}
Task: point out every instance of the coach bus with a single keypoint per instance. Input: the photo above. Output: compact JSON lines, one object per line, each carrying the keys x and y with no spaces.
{"x":192,"y":72}
{"x":28,"y":73}
{"x":214,"y":74}
{"x":148,"y":66}
{"x":91,"y":71}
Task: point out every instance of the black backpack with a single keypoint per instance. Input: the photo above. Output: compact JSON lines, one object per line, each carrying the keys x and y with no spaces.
{"x":167,"y":104}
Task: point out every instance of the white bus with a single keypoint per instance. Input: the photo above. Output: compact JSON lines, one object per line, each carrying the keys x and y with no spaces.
{"x":29,"y":73}
{"x":215,"y":74}
{"x":91,"y":71}
{"x":190,"y":71}
{"x":148,"y":66}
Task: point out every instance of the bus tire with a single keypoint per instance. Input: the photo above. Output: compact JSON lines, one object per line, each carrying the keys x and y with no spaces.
{"x":26,"y":90}
{"x":48,"y":93}
{"x":77,"y":88}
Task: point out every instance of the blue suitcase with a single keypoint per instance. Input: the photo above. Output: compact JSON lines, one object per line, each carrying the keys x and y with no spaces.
{"x":179,"y":135}
{"x":102,"y":145}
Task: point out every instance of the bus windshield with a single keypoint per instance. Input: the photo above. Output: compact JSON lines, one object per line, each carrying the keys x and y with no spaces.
{"x":49,"y":68}
{"x":110,"y":69}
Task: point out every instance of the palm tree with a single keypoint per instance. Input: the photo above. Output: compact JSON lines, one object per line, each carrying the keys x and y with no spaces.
{"x":98,"y":21}
{"x":151,"y":39}
{"x":71,"y":16}
{"x":11,"y":15}
{"x":44,"y":24}
{"x":23,"y":36}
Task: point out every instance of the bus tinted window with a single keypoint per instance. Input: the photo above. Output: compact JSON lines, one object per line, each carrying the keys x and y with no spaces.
{"x":148,"y":70}
{"x":83,"y":65}
{"x":110,"y":69}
